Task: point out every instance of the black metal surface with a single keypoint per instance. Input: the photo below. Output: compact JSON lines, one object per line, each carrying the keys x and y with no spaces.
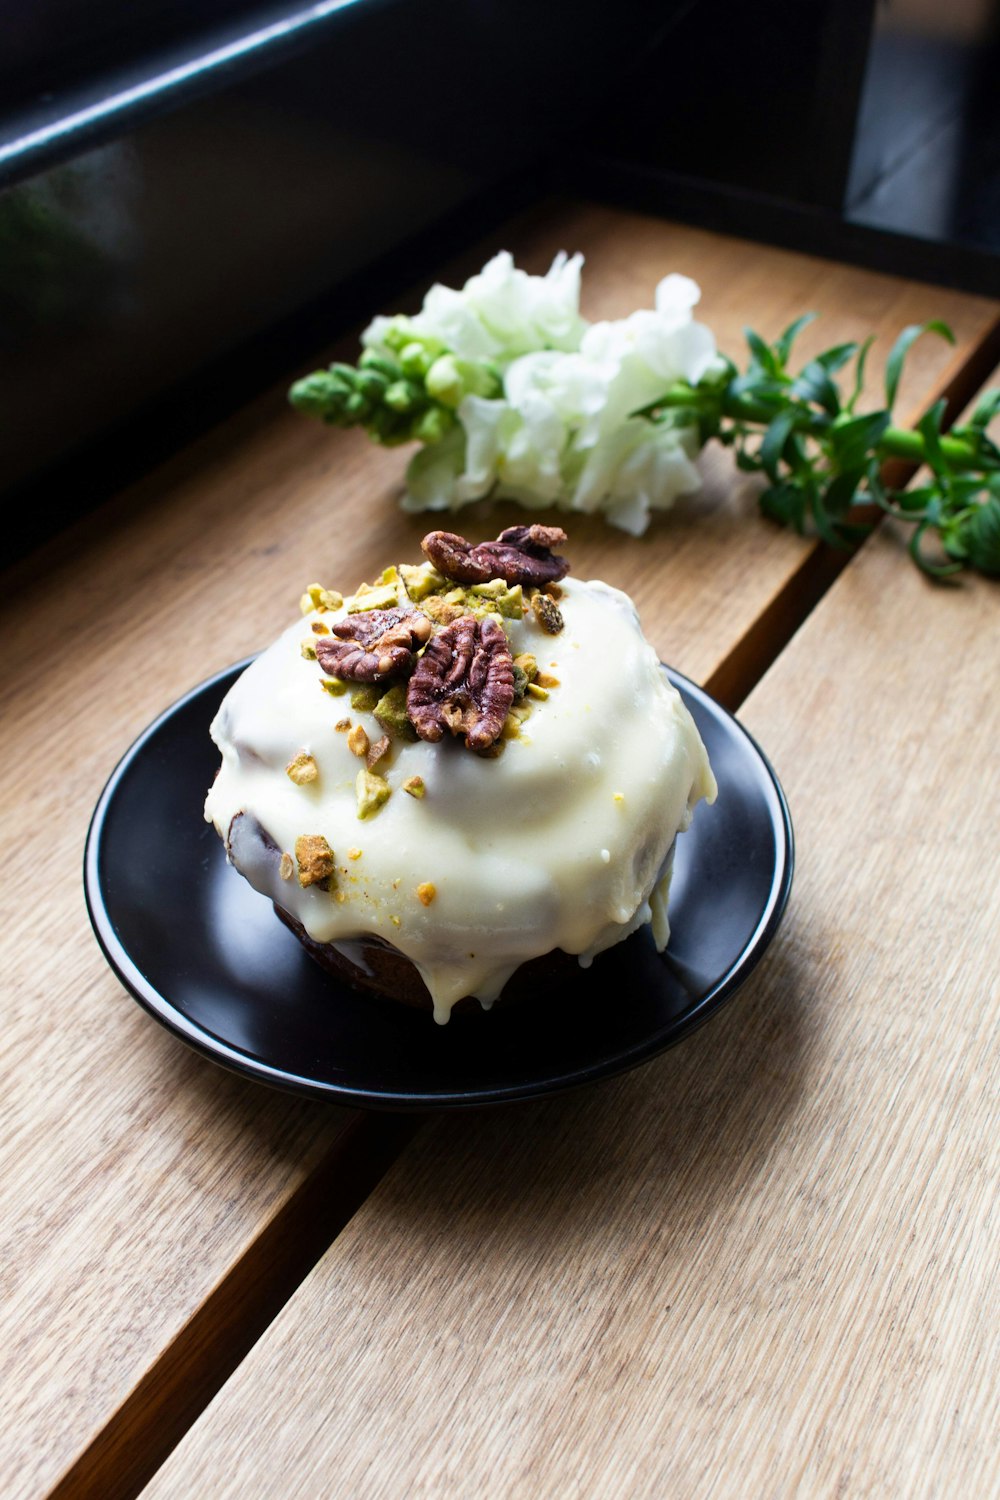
{"x":205,"y":954}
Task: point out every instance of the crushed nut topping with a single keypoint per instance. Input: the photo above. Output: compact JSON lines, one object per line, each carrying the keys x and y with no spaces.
{"x":535,"y":690}
{"x":372,"y":791}
{"x":354,"y":853}
{"x":334,"y":686}
{"x":321,"y":599}
{"x":426,"y":892}
{"x":286,"y":868}
{"x":464,"y":682}
{"x":308,"y":650}
{"x":415,"y":786}
{"x":546,"y":612}
{"x":374,"y":645}
{"x":546,"y":680}
{"x":314,"y":858}
{"x":343,"y":725}
{"x":318,"y":628}
{"x":390,"y":712}
{"x":302,"y":769}
{"x":376,"y":750}
{"x":357,"y":740}
{"x":521,"y":554}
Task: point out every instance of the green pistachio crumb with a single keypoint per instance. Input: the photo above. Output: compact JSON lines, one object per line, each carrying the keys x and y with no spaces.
{"x":381,"y":596}
{"x":415,"y":786}
{"x":335,"y":686}
{"x":390,"y":711}
{"x":534,"y":691}
{"x":420,"y":580}
{"x":364,"y":698}
{"x":302,"y":769}
{"x":372,"y":791}
{"x":308,"y":650}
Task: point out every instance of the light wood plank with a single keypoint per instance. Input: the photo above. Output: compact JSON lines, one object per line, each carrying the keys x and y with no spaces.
{"x":765,"y":1264}
{"x":136,"y":1178}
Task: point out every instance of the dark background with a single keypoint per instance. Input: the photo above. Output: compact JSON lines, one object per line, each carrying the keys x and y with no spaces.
{"x":194,"y":196}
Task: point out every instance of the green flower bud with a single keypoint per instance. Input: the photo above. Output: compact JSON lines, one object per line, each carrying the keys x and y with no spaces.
{"x":372,"y":385}
{"x":432,"y":425}
{"x":444,"y":381}
{"x":403,"y":395}
{"x":415,"y":359}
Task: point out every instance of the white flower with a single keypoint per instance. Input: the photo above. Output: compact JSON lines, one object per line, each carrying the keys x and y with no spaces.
{"x":568,"y":430}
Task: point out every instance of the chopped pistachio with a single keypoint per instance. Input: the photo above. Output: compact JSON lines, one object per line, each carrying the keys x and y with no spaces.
{"x":318,"y":628}
{"x":335,"y":686}
{"x":426,"y":892}
{"x":491,"y":590}
{"x":381,"y":596}
{"x":528,"y":665}
{"x":415,"y":786}
{"x":511,"y":603}
{"x":317,"y":597}
{"x":390,"y":711}
{"x":372,"y":790}
{"x":534,"y":691}
{"x":357,"y":740}
{"x":546,"y":680}
{"x":315,"y":860}
{"x":308,"y":650}
{"x":420,"y":580}
{"x":354,"y":853}
{"x":302,"y":769}
{"x":547,"y":613}
{"x":287,"y":867}
{"x":364,"y":698}
{"x":520,"y":683}
{"x":435,"y":608}
{"x":342,"y":725}
{"x":389,"y":575}
{"x":554,"y":591}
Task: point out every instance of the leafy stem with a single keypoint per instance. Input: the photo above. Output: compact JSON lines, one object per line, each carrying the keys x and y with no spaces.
{"x":825,"y":463}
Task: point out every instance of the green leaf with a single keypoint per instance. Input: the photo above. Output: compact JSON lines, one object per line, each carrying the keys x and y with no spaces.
{"x":986,"y":408}
{"x":783,"y":347}
{"x":824,"y":525}
{"x":842,"y":491}
{"x":933,"y":570}
{"x":929,"y":428}
{"x":786,"y":504}
{"x":900,"y":349}
{"x":835,"y":358}
{"x":859,"y":372}
{"x":761,"y":352}
{"x":852,"y":441}
{"x":980,"y":537}
{"x":774,"y":441}
{"x":813,"y":383}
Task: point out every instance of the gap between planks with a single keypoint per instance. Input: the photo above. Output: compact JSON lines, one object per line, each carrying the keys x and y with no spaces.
{"x":194,"y":1367}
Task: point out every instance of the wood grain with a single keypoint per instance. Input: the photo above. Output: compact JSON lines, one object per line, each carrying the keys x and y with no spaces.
{"x":137,"y":1179}
{"x":765,"y":1264}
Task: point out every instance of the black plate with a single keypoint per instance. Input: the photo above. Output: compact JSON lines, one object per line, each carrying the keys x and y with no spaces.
{"x":205,"y":954}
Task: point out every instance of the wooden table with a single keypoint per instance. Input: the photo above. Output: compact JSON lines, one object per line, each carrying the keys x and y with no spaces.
{"x":764,"y":1264}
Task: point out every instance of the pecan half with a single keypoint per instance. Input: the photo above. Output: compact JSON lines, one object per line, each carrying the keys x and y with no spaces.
{"x":373,"y":645}
{"x":521,"y":554}
{"x":464,"y":682}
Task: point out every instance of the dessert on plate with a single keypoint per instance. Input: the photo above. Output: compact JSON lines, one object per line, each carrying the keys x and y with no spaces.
{"x":470,"y":771}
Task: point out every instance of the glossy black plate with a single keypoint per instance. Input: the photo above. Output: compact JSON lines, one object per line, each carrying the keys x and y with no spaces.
{"x":205,"y":954}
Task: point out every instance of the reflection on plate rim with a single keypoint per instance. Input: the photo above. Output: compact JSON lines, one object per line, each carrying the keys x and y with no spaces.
{"x":208,"y":1045}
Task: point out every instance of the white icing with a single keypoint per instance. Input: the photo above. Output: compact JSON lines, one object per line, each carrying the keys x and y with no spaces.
{"x":562,"y":841}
